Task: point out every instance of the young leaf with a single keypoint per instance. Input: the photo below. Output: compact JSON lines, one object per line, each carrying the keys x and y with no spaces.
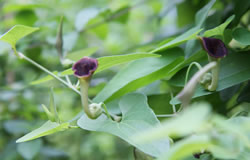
{"x":46,"y":129}
{"x":141,"y":73}
{"x":136,"y":117}
{"x":220,"y":29}
{"x":15,"y":33}
{"x":190,"y":34}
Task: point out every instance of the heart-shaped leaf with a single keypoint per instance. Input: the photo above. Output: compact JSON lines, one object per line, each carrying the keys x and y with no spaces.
{"x":136,"y":117}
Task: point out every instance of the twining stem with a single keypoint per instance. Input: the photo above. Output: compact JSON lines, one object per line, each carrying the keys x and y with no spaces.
{"x":215,"y":74}
{"x":189,"y":68}
{"x":173,"y":106}
{"x":188,"y":91}
{"x":106,"y":111}
{"x":22,"y":56}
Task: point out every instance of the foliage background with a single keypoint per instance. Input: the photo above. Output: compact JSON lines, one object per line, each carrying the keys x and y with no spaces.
{"x":113,"y":27}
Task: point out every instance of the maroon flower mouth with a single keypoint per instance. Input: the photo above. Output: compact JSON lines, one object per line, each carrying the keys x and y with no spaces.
{"x":85,"y":67}
{"x":214,"y":47}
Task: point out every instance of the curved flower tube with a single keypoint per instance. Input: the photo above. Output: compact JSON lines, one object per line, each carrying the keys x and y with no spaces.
{"x":216,"y":50}
{"x":84,"y":69}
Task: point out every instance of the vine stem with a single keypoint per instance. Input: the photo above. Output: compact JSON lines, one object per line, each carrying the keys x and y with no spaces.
{"x":22,"y":56}
{"x":189,"y":68}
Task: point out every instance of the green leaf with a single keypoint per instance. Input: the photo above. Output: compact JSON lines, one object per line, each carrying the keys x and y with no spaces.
{"x":103,"y":64}
{"x":190,"y":34}
{"x":110,"y":61}
{"x":46,"y":129}
{"x":15,"y":33}
{"x":29,"y":150}
{"x":44,"y":79}
{"x":220,"y":29}
{"x":186,"y":147}
{"x":189,"y":121}
{"x":244,"y":95}
{"x":140,"y":73}
{"x":242,"y":35}
{"x":234,"y":69}
{"x":77,"y":55}
{"x":136,"y":117}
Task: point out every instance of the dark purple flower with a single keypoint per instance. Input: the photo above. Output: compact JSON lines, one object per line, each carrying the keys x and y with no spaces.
{"x":214,"y":47}
{"x":85,"y":67}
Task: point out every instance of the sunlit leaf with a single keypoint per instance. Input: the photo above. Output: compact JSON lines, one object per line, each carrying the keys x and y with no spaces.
{"x":190,"y":34}
{"x":46,"y":129}
{"x":15,"y":33}
{"x":220,"y":29}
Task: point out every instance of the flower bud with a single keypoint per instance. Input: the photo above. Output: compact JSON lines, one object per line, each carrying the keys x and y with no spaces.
{"x":95,"y":109}
{"x":214,"y":47}
{"x":85,"y":67}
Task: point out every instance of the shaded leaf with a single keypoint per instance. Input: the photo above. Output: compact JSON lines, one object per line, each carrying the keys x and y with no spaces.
{"x":242,"y":35}
{"x":110,"y":61}
{"x":136,"y":117}
{"x":234,"y":70}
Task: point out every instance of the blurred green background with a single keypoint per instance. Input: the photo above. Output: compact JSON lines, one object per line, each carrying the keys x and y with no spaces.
{"x":114,"y":27}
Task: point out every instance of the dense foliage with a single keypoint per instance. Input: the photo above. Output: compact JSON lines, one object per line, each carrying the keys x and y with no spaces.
{"x":170,"y":79}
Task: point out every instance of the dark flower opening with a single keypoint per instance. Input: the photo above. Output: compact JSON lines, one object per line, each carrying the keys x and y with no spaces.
{"x":214,"y":47}
{"x":85,"y":67}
